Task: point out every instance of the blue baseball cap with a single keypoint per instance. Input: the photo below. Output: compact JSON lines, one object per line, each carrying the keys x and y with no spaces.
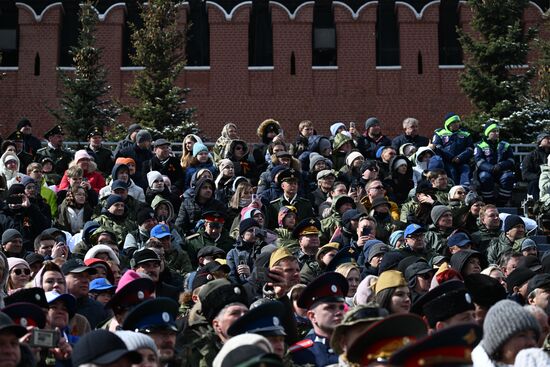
{"x":459,"y":239}
{"x":101,"y":284}
{"x":413,"y":229}
{"x":160,"y":231}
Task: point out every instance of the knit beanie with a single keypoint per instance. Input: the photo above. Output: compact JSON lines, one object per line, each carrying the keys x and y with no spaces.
{"x":313,"y":159}
{"x":16,"y":189}
{"x":471,"y":198}
{"x":153,"y":176}
{"x":246,"y":224}
{"x":353,"y":156}
{"x":199,"y":147}
{"x":135,"y":341}
{"x":454,"y":189}
{"x":113,"y":199}
{"x":485,"y":290}
{"x":144,"y":214}
{"x":225,"y":163}
{"x":334,"y":127}
{"x":396,"y":236}
{"x":511,"y":221}
{"x":26,"y":180}
{"x":504,"y":320}
{"x":23,"y":122}
{"x":14,"y":261}
{"x":371,"y":121}
{"x":81,"y":154}
{"x":10,"y":235}
{"x":400,"y":162}
{"x":438,"y":211}
{"x":380,"y":151}
{"x":143,"y":135}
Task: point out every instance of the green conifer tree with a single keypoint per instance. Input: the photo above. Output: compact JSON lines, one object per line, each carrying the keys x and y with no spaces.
{"x":159,"y":48}
{"x":85,"y":103}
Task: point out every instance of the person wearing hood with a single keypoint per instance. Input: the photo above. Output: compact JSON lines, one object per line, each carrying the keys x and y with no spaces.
{"x":237,"y":151}
{"x":167,"y":164}
{"x":241,"y":258}
{"x":19,"y":213}
{"x":272,"y":189}
{"x":400,"y":181}
{"x":229,"y":133}
{"x":201,"y":159}
{"x":268,"y":131}
{"x":16,"y":138}
{"x":421,"y":159}
{"x":191,"y":209}
{"x":286,"y":219}
{"x":114,"y":217}
{"x":60,"y":156}
{"x":466,"y":262}
{"x":342,"y":146}
{"x":372,"y":139}
{"x":31,"y":191}
{"x":225,"y":180}
{"x":128,"y":140}
{"x":9,"y":170}
{"x":187,"y":149}
{"x":140,"y":152}
{"x":455,"y":146}
{"x":495,"y":163}
{"x":121,"y":172}
{"x":410,"y":135}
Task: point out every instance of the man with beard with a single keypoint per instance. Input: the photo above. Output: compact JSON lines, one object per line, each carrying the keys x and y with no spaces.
{"x":157,"y":318}
{"x":147,"y":261}
{"x":324,"y":300}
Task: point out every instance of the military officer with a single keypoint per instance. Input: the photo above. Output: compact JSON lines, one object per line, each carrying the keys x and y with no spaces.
{"x":60,"y":156}
{"x":103,"y":157}
{"x":324,"y":300}
{"x":288,"y":179}
{"x":212,"y":233}
{"x":307,"y":234}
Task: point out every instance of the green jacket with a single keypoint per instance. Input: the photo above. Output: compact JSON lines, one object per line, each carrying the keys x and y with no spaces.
{"x":199,"y":240}
{"x":119,"y":226}
{"x":178,"y":261}
{"x":333,"y":221}
{"x":436,"y":240}
{"x":483,"y":237}
{"x":498,"y":247}
{"x":285,"y":239}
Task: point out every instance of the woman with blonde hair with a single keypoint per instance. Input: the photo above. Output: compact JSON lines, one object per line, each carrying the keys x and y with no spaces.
{"x":353,"y":275}
{"x":187,"y":149}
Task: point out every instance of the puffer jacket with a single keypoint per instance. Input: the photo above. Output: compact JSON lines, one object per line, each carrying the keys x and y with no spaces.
{"x":498,"y":247}
{"x":133,"y":190}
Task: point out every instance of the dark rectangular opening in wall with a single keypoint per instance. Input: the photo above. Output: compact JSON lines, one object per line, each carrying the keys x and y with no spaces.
{"x":69,"y":31}
{"x":9,"y":34}
{"x":260,"y":35}
{"x":197,"y":45}
{"x":387,"y":34}
{"x":450,"y":52}
{"x":133,"y":16}
{"x":324,"y":51}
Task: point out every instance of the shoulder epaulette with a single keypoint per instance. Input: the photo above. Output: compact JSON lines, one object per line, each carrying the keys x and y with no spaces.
{"x":465,"y":133}
{"x":274,"y":201}
{"x":301,"y":345}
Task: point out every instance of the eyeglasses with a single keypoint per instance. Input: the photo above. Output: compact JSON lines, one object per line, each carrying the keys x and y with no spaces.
{"x":20,"y":271}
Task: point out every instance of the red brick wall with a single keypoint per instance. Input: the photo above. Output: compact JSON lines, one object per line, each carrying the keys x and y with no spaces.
{"x":230,"y":92}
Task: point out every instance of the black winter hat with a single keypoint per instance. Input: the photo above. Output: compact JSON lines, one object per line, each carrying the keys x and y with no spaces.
{"x":246,"y":224}
{"x":23,"y":122}
{"x":459,"y":259}
{"x":511,"y":221}
{"x":145,"y":214}
{"x":518,"y":277}
{"x":485,"y":290}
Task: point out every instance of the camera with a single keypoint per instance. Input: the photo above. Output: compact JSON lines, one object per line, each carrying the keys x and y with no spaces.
{"x":44,"y":338}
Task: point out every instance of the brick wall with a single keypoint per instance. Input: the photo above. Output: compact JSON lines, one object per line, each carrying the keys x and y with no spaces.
{"x":229,"y":91}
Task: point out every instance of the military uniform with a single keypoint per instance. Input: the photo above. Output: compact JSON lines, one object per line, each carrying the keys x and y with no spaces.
{"x":200,"y":239}
{"x":61,"y":157}
{"x":315,"y":349}
{"x":24,"y":158}
{"x":303,"y":206}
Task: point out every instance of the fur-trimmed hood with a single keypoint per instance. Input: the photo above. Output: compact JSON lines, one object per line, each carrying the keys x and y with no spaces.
{"x":263,"y":127}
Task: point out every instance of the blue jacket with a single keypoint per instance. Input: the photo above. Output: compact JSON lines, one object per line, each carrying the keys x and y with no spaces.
{"x":488,"y":154}
{"x":449,"y":144}
{"x":313,"y":350}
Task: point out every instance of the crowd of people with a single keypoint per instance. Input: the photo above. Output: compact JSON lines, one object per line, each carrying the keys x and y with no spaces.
{"x":344,"y":249}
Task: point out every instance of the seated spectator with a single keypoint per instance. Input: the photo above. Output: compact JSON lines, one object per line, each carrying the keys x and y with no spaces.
{"x":201,"y":159}
{"x":122,"y":172}
{"x":229,"y":132}
{"x":19,"y":274}
{"x":34,"y":170}
{"x":75,"y":178}
{"x":534,"y":162}
{"x":421,"y":160}
{"x":410,"y":135}
{"x":74,"y":210}
{"x":187,"y":147}
{"x":83,"y":160}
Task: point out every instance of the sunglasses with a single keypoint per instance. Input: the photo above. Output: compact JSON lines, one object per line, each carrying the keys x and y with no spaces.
{"x":20,"y":271}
